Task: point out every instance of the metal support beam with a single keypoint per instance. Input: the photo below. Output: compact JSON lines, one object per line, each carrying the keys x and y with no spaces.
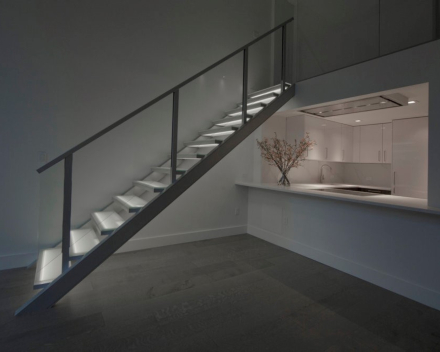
{"x":174,"y":136}
{"x":67,"y":211}
{"x":245,"y":84}
{"x":283,"y":58}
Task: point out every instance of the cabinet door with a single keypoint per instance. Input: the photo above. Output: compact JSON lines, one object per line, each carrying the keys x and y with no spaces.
{"x":333,"y":144}
{"x":387,"y":142}
{"x":347,"y":143}
{"x":410,"y":157}
{"x":316,"y":129}
{"x":371,"y":144}
{"x":356,"y":143}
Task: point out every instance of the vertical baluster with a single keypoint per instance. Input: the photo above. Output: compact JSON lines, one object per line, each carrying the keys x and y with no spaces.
{"x":283,"y":59}
{"x":67,"y":210}
{"x":245,"y":84}
{"x":174,"y":135}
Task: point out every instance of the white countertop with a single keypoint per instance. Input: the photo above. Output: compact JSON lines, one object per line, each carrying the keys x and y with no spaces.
{"x":384,"y":200}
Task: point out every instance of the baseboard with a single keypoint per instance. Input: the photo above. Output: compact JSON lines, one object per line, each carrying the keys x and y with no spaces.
{"x":16,"y":260}
{"x":410,"y":290}
{"x":136,"y":244}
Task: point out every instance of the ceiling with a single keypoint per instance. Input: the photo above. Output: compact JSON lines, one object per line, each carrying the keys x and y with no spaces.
{"x":418,"y":93}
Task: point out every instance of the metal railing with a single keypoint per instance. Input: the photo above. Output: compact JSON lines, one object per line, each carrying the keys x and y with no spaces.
{"x":126,"y":231}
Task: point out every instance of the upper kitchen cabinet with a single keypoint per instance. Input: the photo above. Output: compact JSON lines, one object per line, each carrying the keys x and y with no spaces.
{"x":347,"y":143}
{"x":375,"y":143}
{"x":387,"y":142}
{"x":332,"y":141}
{"x":410,"y":157}
{"x":371,"y":144}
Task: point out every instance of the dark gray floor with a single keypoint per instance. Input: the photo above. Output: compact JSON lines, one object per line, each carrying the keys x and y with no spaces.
{"x":236,"y":293}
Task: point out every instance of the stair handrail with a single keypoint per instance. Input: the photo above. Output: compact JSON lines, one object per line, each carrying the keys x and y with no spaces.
{"x":164,"y":95}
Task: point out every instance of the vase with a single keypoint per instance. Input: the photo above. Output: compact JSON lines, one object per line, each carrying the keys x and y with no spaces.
{"x":284,"y":181}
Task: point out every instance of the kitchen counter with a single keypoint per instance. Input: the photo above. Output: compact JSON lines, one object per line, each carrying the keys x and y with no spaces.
{"x":383,"y":200}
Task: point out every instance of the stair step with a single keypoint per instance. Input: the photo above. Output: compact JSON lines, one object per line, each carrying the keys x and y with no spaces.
{"x":152,"y":186}
{"x":107,"y":221}
{"x":49,"y":267}
{"x":82,"y":241}
{"x":167,"y":170}
{"x":222,"y":131}
{"x":131,"y":203}
{"x":230,"y":120}
{"x":189,"y":156}
{"x":202,"y":144}
{"x":252,"y":110}
{"x":274,"y":89}
{"x":265,"y":98}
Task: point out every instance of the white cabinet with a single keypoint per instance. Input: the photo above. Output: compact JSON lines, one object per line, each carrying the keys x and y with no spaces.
{"x":387,"y":142}
{"x":356,"y":143}
{"x":347,"y":143}
{"x":371,"y":144}
{"x":316,"y":129}
{"x":410,"y":157}
{"x":333,"y":142}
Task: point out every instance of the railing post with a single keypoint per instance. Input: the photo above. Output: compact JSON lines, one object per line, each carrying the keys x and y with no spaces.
{"x":245,"y":84}
{"x":174,"y":135}
{"x":67,"y":210}
{"x":283,"y":58}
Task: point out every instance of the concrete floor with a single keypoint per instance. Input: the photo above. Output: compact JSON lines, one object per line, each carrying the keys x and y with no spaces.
{"x":236,"y":293}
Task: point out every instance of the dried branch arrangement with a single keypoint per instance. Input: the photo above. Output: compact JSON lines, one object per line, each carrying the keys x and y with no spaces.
{"x":279,"y":153}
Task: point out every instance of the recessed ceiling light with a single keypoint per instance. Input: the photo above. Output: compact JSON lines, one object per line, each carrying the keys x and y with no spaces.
{"x":412,"y":102}
{"x":358,"y":121}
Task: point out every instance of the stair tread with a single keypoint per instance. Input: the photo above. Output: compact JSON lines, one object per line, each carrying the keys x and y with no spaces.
{"x":82,"y":241}
{"x":130,"y":202}
{"x":49,"y":266}
{"x":189,"y":156}
{"x":107,"y":220}
{"x":201,"y":144}
{"x":253,"y":109}
{"x":275,"y":89}
{"x":167,"y":170}
{"x":263,"y":98}
{"x":230,"y":120}
{"x":219,"y":131}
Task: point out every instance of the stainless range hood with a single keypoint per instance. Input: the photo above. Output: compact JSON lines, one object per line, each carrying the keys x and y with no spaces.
{"x":362,"y":105}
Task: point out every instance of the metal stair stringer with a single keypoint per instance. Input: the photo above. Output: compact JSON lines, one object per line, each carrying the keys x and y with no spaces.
{"x":79,"y":271}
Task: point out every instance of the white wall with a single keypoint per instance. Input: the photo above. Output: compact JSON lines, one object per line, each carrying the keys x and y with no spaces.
{"x":71,"y":68}
{"x":395,"y":249}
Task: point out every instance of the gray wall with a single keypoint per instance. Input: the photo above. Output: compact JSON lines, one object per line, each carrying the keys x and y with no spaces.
{"x":338,"y":33}
{"x":68,"y":69}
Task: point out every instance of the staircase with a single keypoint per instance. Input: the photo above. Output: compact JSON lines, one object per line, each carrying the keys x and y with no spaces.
{"x":60,"y":268}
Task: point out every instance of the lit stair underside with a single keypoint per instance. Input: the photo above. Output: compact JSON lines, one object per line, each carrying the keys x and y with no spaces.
{"x":48,"y":267}
{"x":152,"y":186}
{"x":167,"y":170}
{"x":131,"y":203}
{"x":107,"y":221}
{"x":222,"y":131}
{"x":82,"y":241}
{"x":202,"y":144}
